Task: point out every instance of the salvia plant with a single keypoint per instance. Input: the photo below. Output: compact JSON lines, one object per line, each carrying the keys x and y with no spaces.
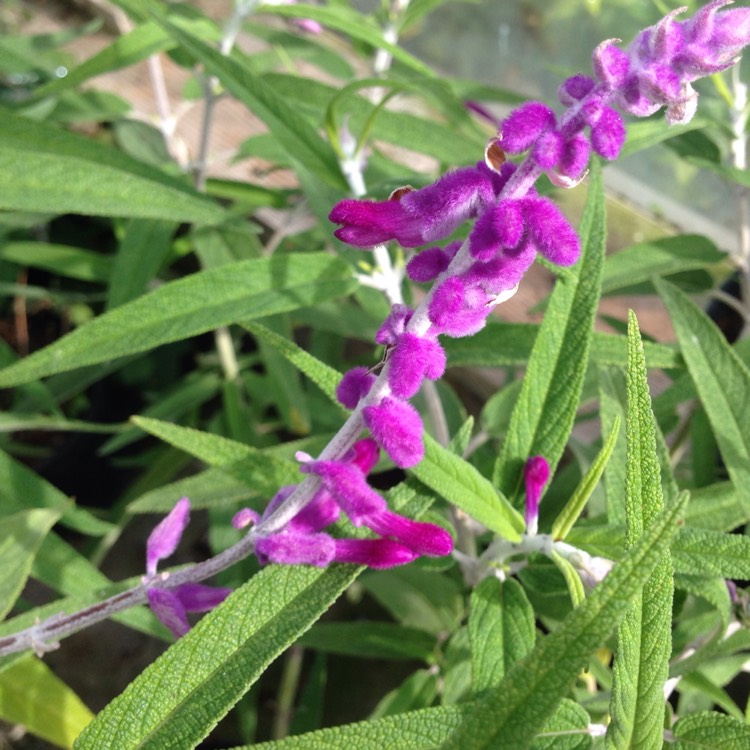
{"x":543,"y":556}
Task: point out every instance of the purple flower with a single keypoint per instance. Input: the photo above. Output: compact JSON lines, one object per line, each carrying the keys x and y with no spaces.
{"x":397,"y":427}
{"x":354,"y":386}
{"x":345,"y":487}
{"x":172,"y":605}
{"x":536,"y":474}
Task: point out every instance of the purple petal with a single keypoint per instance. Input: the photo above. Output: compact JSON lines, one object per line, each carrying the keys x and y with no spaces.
{"x":443,"y":206}
{"x":353,"y":386}
{"x":574,"y":89}
{"x":197,"y":597}
{"x":504,"y":271}
{"x":321,"y":511}
{"x":524,"y":125}
{"x":168,"y":608}
{"x":397,"y":427}
{"x":548,"y":149}
{"x":374,"y":553}
{"x":364,"y":455}
{"x":608,"y":135}
{"x":550,"y":231}
{"x":575,"y":157}
{"x":536,"y":474}
{"x":165,"y":537}
{"x":428,"y":264}
{"x":414,"y":359}
{"x":394,"y":325}
{"x":245,"y":517}
{"x":498,"y":227}
{"x":349,"y":488}
{"x":369,"y":223}
{"x":611,"y":64}
{"x":422,"y":538}
{"x":290,"y":548}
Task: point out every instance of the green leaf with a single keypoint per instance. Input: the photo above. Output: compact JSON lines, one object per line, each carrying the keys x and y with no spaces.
{"x":370,"y":640}
{"x":31,"y":694}
{"x":128,"y":49}
{"x":644,"y":641}
{"x":710,"y":730}
{"x":23,"y":534}
{"x":704,"y":552}
{"x":73,"y":262}
{"x":190,"y":306}
{"x":461,"y":484}
{"x":142,"y":250}
{"x":499,"y":344}
{"x":512,"y":714}
{"x":722,"y":381}
{"x":325,"y":377}
{"x":415,"y":730}
{"x":257,"y":469}
{"x":179,"y":698}
{"x":643,"y":134}
{"x":501,"y":631}
{"x":663,"y":257}
{"x":567,"y":729}
{"x":45,"y":169}
{"x":575,"y":505}
{"x":417,"y":598}
{"x":572,"y":578}
{"x":547,"y":404}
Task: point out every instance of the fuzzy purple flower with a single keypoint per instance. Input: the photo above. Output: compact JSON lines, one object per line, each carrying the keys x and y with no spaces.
{"x":536,"y":474}
{"x":344,"y":488}
{"x":172,"y":605}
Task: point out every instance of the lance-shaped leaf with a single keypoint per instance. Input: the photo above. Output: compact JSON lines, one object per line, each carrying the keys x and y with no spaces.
{"x":190,"y":306}
{"x":710,"y":730}
{"x":501,"y":631}
{"x":644,"y":639}
{"x":546,"y":407}
{"x":46,"y":169}
{"x":513,"y":714}
{"x":722,"y":381}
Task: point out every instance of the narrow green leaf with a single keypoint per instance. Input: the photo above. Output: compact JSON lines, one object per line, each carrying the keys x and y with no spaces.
{"x":644,"y":641}
{"x":179,"y":698}
{"x":512,"y":714}
{"x":710,"y":730}
{"x":704,"y":552}
{"x":546,"y":407}
{"x":46,"y":169}
{"x":499,"y":344}
{"x":324,"y":376}
{"x":128,"y":49}
{"x":572,"y":579}
{"x":31,"y":694}
{"x":577,"y":502}
{"x":428,"y":728}
{"x":73,"y":262}
{"x":461,"y":484}
{"x":142,"y":250}
{"x":643,"y":134}
{"x":23,"y":534}
{"x":669,"y":255}
{"x":190,"y":306}
{"x":418,"y":690}
{"x":373,"y":640}
{"x":259,"y":470}
{"x":722,"y":381}
{"x":501,"y":631}
{"x":612,"y":398}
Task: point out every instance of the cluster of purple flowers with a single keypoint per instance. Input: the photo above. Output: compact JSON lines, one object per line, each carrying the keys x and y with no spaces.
{"x":511,"y":224}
